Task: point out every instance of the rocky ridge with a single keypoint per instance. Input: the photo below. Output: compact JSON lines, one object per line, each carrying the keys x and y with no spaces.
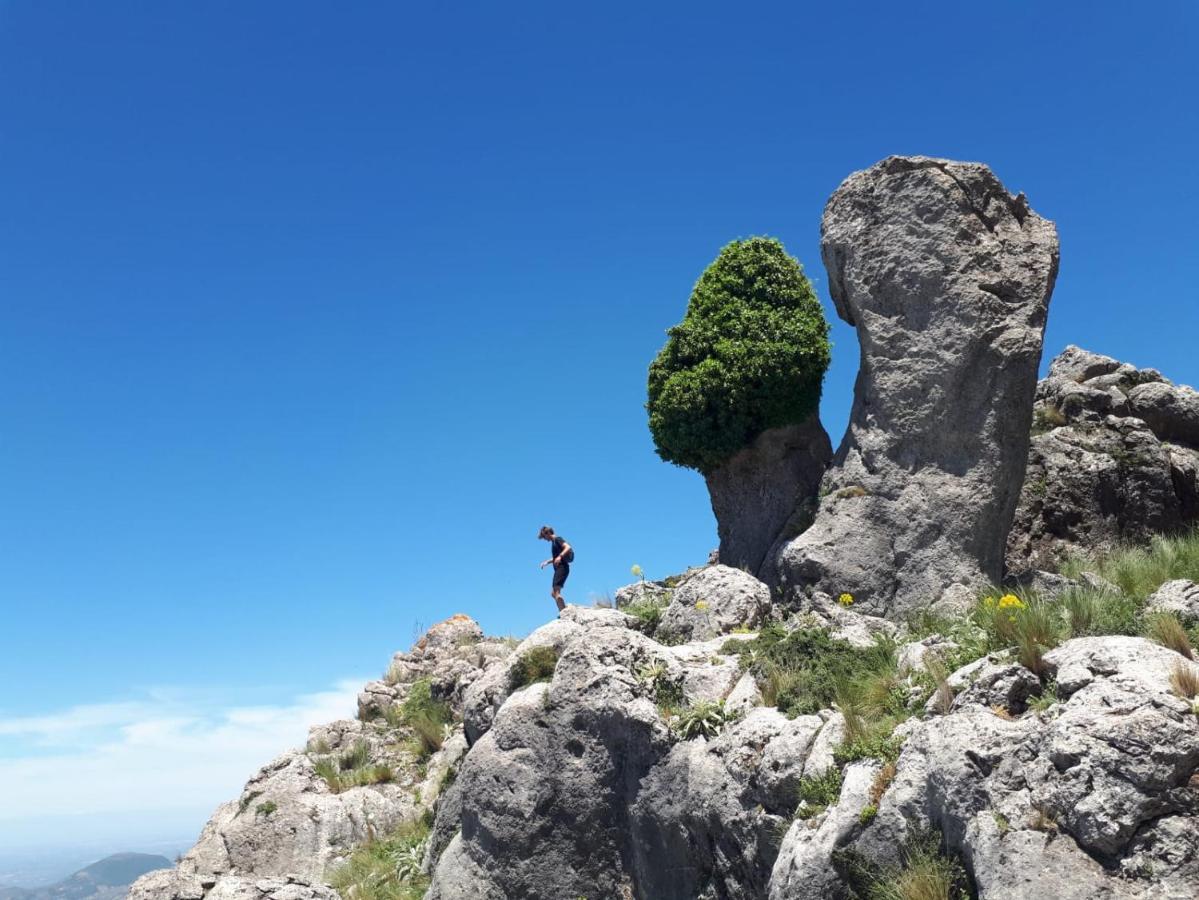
{"x":860,"y":711}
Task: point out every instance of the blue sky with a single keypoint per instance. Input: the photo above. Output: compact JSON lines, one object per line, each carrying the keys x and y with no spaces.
{"x":311,"y":314}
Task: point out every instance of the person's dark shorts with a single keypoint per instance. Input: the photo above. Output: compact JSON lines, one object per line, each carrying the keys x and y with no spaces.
{"x":560,"y":573}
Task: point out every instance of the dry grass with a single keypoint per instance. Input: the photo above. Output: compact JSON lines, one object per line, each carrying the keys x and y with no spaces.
{"x":1002,"y":711}
{"x":1184,"y":681}
{"x":1165,"y":629}
{"x":882,"y":781}
{"x":1042,"y":819}
{"x":942,"y":692}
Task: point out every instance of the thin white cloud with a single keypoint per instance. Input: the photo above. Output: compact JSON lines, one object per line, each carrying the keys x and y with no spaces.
{"x":159,"y":753}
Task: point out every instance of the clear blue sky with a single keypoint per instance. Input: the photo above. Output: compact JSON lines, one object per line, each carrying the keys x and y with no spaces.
{"x":312,"y":313}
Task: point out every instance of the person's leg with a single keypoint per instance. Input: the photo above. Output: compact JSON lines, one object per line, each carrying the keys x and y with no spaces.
{"x":560,"y":573}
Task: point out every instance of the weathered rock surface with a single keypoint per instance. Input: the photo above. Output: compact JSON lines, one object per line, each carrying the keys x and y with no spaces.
{"x":947,"y":278}
{"x":579,"y":787}
{"x":767,"y":492}
{"x":1114,"y":458}
{"x":712,"y":602}
{"x":1091,"y":799}
{"x":172,"y":883}
{"x":289,"y":827}
{"x":1180,"y":597}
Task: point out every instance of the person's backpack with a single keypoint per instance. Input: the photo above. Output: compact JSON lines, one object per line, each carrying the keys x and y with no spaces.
{"x":570,"y":556}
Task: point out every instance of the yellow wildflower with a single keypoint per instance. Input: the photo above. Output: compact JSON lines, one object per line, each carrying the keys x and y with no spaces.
{"x":636,"y":570}
{"x":701,"y":605}
{"x":1010,"y":601}
{"x":845,"y":599}
{"x":989,"y":602}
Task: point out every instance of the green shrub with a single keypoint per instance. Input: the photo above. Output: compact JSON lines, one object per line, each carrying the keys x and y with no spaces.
{"x":533,"y":666}
{"x":386,"y":869}
{"x":749,"y":355}
{"x":706,"y":718}
{"x":352,"y":768}
{"x":818,"y":792}
{"x":798,"y":671}
{"x":266,"y":808}
{"x":648,"y":612}
{"x":427,"y":717}
{"x":925,"y":873}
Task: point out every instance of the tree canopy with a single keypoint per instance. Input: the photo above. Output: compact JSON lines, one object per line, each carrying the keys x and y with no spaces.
{"x":749,"y":355}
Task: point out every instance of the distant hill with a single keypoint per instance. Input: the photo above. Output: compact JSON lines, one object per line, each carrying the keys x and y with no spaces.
{"x":107,"y":879}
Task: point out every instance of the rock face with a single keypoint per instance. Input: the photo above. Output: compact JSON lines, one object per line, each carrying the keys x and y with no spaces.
{"x":1114,"y":458}
{"x":947,"y":278}
{"x":578,"y":788}
{"x":1094,"y":798}
{"x":767,"y":493}
{"x":290,"y":825}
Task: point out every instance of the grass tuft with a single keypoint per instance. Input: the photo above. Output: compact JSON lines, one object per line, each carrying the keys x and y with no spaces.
{"x":386,"y":868}
{"x":533,"y":666}
{"x":1167,"y":630}
{"x":1184,"y":681}
{"x":352,"y":768}
{"x":818,"y":792}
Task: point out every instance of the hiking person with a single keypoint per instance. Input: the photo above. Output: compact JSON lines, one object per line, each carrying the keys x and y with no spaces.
{"x":561,"y":556}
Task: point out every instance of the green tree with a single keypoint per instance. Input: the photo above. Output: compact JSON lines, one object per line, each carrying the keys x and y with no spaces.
{"x":749,"y":355}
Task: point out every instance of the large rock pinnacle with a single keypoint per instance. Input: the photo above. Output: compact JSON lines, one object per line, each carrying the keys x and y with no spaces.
{"x":947,"y":278}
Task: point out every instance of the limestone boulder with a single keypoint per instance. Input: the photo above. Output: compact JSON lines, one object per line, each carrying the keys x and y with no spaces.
{"x":1180,"y":597}
{"x":947,"y":278}
{"x":712,"y":602}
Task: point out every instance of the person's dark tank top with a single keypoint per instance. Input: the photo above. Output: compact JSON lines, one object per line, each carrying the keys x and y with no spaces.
{"x":559,"y":543}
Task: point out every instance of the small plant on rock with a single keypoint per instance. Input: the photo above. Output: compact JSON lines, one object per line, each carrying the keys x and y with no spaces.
{"x":533,"y":666}
{"x":704,"y":719}
{"x":1047,"y":698}
{"x":926,"y":874}
{"x":387,"y":868}
{"x":818,"y":792}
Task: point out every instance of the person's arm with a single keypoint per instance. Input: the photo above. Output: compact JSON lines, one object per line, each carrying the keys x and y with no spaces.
{"x":565,"y":550}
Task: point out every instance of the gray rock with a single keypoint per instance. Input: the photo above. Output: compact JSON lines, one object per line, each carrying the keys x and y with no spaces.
{"x":713,"y":602}
{"x":1112,"y":460}
{"x":1089,"y":801}
{"x":1006,"y":686}
{"x":1171,"y":412}
{"x":829,"y":738}
{"x":804,"y":868}
{"x":168,"y":884}
{"x":947,"y":278}
{"x":289,"y":826}
{"x":705,"y":820}
{"x":546,"y":791}
{"x":1180,"y":597}
{"x":767,"y":492}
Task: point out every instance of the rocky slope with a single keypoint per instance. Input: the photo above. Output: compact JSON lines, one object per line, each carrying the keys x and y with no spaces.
{"x":862,"y":718}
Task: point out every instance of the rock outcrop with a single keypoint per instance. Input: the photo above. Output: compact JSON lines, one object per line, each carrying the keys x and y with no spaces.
{"x":1114,"y":458}
{"x":1093,"y":798}
{"x":947,"y":278}
{"x":304,"y":812}
{"x":579,"y":787}
{"x":767,"y":493}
